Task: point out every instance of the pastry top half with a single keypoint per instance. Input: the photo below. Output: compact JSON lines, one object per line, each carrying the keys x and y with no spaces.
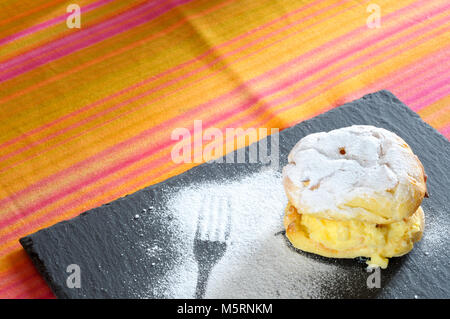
{"x":359,"y":172}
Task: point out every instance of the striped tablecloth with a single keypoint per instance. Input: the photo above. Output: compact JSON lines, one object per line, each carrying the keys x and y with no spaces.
{"x":87,"y":113}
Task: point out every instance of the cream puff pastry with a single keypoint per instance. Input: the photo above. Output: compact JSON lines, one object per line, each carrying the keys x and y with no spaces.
{"x":354,"y":191}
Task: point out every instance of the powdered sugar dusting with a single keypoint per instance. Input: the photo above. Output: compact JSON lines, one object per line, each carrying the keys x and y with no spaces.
{"x":329,"y":169}
{"x":258,"y":262}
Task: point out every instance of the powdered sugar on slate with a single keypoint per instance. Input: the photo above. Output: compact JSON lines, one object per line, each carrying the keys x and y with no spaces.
{"x":257,"y":263}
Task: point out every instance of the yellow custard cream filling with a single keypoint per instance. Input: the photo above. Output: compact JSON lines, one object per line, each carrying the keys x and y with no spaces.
{"x":350,"y":239}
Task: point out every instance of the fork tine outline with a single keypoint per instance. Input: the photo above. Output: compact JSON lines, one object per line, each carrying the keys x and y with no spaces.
{"x":212,"y":233}
{"x":214,"y":220}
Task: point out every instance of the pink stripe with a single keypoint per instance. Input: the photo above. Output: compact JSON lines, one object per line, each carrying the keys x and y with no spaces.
{"x":428,"y":65}
{"x":104,"y":153}
{"x":430,"y":94}
{"x":331,"y":85}
{"x":427,"y":87}
{"x":308,"y":73}
{"x":311,"y":54}
{"x":445,"y":131}
{"x":36,"y":61}
{"x":427,"y":78}
{"x":25,"y":293}
{"x":274,"y":113}
{"x":404,"y":79}
{"x":51,"y":22}
{"x":18,"y":282}
{"x":317,"y":82}
{"x":161,"y":86}
{"x":153,"y":78}
{"x":47,"y":295}
{"x":342,"y":68}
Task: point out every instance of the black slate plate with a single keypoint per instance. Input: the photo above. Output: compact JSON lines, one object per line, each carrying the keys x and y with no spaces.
{"x":106,"y":242}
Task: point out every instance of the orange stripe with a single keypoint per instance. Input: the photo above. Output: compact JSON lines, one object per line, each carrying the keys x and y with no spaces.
{"x":29,"y":12}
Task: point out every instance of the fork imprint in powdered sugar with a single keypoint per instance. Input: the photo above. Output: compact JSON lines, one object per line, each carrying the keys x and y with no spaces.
{"x":210,"y":243}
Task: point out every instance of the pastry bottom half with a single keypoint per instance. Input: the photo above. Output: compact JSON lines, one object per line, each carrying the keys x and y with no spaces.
{"x":351,"y":239}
